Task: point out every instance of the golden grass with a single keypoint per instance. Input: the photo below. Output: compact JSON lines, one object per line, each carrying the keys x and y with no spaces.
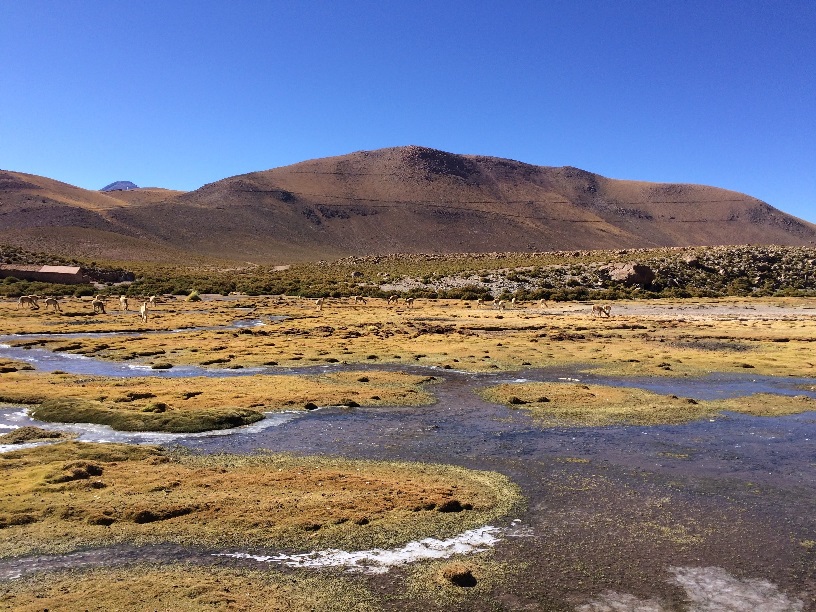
{"x":642,"y":338}
{"x":11,"y":365}
{"x":461,"y":582}
{"x":186,"y":587}
{"x":71,"y":495}
{"x":568,"y":404}
{"x":133,"y":401}
{"x":654,"y":338}
{"x":28,"y":433}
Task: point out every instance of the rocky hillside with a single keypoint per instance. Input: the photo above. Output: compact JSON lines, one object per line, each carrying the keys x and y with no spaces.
{"x":404,"y":199}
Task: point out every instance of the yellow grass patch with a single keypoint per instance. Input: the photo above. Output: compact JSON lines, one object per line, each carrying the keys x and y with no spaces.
{"x":71,"y":495}
{"x":649,"y":337}
{"x":567,"y":404}
{"x":185,"y":587}
{"x":460,"y":582}
{"x":124,"y":400}
{"x":11,"y":365}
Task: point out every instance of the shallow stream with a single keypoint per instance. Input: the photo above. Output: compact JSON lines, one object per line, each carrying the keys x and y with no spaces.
{"x":611,"y":508}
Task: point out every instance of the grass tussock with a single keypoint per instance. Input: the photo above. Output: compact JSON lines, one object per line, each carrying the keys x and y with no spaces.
{"x":11,"y":365}
{"x":70,"y":495}
{"x":28,"y":433}
{"x":154,"y":417}
{"x":579,"y":405}
{"x":187,"y":588}
{"x":459,"y":583}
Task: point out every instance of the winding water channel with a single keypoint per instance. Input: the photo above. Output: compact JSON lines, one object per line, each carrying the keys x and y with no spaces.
{"x":623,"y":509}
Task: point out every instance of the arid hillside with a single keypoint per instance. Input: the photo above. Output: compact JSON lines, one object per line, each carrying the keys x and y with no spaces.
{"x":404,"y":199}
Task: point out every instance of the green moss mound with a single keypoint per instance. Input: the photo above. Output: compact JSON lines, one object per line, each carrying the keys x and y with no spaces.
{"x":72,"y":410}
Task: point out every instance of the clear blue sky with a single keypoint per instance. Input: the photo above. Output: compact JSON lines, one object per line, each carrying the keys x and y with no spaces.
{"x":181,"y":93}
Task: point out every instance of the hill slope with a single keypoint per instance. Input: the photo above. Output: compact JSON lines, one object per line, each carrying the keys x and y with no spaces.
{"x":406,"y":199}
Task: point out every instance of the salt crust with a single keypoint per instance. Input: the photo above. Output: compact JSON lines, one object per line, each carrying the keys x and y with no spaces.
{"x":378,"y":560}
{"x":709,"y":589}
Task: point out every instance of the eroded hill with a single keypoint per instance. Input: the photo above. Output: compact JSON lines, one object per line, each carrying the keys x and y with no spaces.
{"x":404,"y":199}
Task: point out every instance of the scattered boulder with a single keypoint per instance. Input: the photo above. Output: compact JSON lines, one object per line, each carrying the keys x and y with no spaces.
{"x":631,"y":274}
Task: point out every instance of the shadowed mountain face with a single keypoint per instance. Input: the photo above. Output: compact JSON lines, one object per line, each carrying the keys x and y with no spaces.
{"x":403,"y":199}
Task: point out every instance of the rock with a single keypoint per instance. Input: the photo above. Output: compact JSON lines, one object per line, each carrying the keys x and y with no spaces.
{"x":631,"y":274}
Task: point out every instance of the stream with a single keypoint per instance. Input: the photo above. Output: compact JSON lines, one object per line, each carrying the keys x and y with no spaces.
{"x":629,"y":506}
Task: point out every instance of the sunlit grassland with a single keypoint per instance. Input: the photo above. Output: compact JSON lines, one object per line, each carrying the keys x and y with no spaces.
{"x":649,"y":337}
{"x":201,"y":403}
{"x":569,"y":404}
{"x":66,"y":496}
{"x":769,"y":336}
{"x":188,"y":587}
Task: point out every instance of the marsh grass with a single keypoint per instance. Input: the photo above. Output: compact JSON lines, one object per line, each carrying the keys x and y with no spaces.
{"x":21,"y":435}
{"x":579,"y":405}
{"x":187,"y":588}
{"x":449,"y":334}
{"x":202,"y":403}
{"x":460,"y":583}
{"x":153,"y":417}
{"x":71,"y":495}
{"x":11,"y":365}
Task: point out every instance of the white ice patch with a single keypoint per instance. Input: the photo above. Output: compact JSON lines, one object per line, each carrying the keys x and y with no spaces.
{"x":7,"y":448}
{"x":620,"y":602}
{"x":378,"y":560}
{"x":712,"y":589}
{"x":709,"y":589}
{"x":90,"y":432}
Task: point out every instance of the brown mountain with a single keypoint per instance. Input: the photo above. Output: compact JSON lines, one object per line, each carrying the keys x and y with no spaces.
{"x":403,"y":199}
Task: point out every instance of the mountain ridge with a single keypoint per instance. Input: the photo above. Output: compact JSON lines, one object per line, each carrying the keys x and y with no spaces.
{"x":401,"y":199}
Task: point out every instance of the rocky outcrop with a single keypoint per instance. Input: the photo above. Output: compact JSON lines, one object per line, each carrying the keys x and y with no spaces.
{"x":631,"y":274}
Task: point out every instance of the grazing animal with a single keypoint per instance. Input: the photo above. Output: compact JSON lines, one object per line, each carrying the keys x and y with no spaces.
{"x":409,"y":302}
{"x":123,"y":302}
{"x":513,"y":302}
{"x":359,"y":298}
{"x":543,"y":303}
{"x":601,"y":311}
{"x":392,"y":299}
{"x":153,"y":299}
{"x":98,"y":306}
{"x":29,"y":300}
{"x":319,"y":303}
{"x":143,"y":312}
{"x":501,"y":304}
{"x":53,"y":302}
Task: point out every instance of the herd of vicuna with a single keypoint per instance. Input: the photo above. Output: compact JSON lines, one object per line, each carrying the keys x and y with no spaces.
{"x":98,"y":304}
